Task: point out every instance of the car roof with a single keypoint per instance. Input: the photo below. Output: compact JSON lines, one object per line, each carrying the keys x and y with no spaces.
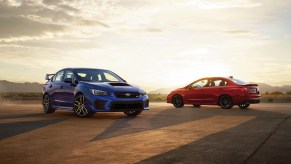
{"x":83,"y":68}
{"x":215,"y":78}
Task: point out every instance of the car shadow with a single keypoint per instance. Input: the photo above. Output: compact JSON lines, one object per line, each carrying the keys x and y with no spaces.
{"x":16,"y":128}
{"x":239,"y":144}
{"x":129,"y":125}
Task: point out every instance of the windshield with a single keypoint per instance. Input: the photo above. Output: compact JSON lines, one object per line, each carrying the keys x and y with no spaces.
{"x":237,"y":81}
{"x":97,"y":75}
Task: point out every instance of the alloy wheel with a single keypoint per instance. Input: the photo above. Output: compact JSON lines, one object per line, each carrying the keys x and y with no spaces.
{"x":80,"y":107}
{"x":46,"y":104}
{"x":225,"y":102}
{"x":178,"y":101}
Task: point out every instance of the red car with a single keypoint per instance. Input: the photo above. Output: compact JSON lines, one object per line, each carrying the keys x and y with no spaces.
{"x":225,"y":92}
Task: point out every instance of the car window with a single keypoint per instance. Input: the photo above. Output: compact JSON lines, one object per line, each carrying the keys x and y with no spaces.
{"x":199,"y":84}
{"x":58,"y":77}
{"x":216,"y":83}
{"x":70,"y":74}
{"x":96,"y":75}
{"x":237,"y":81}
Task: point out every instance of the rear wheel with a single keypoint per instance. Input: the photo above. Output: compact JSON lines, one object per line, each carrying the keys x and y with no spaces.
{"x":132,"y":112}
{"x":225,"y":102}
{"x":46,"y":102}
{"x":196,"y":106}
{"x":80,"y":107}
{"x":177,"y":101}
{"x":244,"y":106}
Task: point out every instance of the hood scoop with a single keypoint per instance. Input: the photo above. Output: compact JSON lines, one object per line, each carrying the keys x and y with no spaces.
{"x":119,"y":84}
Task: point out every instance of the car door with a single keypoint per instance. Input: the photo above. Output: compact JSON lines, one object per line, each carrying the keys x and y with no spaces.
{"x":213,"y":90}
{"x":210,"y":91}
{"x":67,"y":90}
{"x":56,"y":88}
{"x":195,"y":94}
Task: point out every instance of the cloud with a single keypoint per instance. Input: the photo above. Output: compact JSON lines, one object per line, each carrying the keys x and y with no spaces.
{"x":52,"y":2}
{"x":37,"y":19}
{"x":154,"y":30}
{"x":224,"y":4}
{"x":19,"y":27}
{"x":238,"y":32}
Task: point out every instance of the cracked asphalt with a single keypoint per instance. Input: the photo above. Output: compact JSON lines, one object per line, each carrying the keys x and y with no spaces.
{"x":163,"y":134}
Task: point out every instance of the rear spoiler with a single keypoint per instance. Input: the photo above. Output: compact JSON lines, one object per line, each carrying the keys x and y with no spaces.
{"x":48,"y":76}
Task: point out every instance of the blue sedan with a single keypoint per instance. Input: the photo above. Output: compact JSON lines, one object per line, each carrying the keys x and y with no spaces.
{"x":87,"y":91}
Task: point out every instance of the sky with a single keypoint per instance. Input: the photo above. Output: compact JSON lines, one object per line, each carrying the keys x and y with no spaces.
{"x":151,"y":43}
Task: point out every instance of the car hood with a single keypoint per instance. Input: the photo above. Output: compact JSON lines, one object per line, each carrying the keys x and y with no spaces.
{"x":112,"y":86}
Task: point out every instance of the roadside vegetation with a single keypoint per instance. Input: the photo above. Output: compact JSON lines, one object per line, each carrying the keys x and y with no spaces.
{"x":20,"y":96}
{"x":268,"y":97}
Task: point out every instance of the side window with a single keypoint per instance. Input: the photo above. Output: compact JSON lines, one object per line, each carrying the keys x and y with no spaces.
{"x":221,"y":83}
{"x":70,"y":74}
{"x":216,"y":83}
{"x":201,"y":83}
{"x":58,"y":77}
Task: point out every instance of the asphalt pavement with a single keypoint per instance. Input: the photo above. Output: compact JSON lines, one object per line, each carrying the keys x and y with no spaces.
{"x":163,"y":134}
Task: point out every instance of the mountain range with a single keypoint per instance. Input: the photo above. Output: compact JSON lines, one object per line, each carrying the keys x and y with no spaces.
{"x":7,"y":86}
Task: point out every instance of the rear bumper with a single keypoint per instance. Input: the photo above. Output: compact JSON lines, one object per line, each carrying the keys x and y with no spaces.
{"x":252,"y":101}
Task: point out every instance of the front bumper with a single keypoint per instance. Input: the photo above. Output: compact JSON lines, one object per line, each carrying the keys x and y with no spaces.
{"x":113,"y":104}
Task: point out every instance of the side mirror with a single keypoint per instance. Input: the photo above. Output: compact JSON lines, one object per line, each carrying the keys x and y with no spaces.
{"x":68,"y":80}
{"x":48,"y":76}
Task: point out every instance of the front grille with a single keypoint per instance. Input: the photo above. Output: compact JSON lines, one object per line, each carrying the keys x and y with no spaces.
{"x":100,"y":104}
{"x":127,"y":105}
{"x":127,"y":94}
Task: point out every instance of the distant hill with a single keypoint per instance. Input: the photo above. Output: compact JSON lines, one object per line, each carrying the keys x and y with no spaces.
{"x":162,"y":91}
{"x":263,"y":89}
{"x":268,"y":88}
{"x":7,"y":86}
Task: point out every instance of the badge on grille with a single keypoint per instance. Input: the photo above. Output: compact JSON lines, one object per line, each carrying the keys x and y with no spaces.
{"x":127,"y":94}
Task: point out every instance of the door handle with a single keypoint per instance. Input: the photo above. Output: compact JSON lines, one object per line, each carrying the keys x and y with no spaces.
{"x":62,"y":87}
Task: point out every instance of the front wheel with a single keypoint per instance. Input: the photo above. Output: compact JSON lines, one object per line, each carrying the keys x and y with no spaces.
{"x":225,"y":102}
{"x":178,"y":101}
{"x":244,"y":106}
{"x":132,"y":112}
{"x":80,"y":107}
{"x":47,"y":106}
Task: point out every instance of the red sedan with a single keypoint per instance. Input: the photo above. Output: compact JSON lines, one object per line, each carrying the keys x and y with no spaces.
{"x":225,"y":92}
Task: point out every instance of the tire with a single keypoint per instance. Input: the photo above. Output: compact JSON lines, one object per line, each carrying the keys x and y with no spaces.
{"x":80,"y":107}
{"x":46,"y":103}
{"x":177,"y":101}
{"x":132,"y":113}
{"x":196,"y":106}
{"x":244,"y":106}
{"x":225,"y":102}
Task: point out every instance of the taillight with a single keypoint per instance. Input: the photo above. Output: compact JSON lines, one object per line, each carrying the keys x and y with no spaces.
{"x":252,"y":90}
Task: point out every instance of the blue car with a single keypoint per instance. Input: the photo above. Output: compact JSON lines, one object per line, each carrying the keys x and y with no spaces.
{"x":87,"y":91}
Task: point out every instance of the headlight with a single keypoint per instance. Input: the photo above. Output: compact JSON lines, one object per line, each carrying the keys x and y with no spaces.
{"x":143,"y":93}
{"x":99,"y":92}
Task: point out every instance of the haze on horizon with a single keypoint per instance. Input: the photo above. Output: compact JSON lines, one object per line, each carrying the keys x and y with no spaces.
{"x":150,"y":43}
